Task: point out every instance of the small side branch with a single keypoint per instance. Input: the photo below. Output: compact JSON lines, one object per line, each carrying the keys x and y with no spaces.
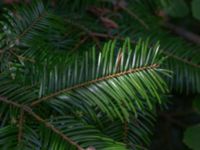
{"x":105,"y":36}
{"x":40,"y":120}
{"x":50,"y":126}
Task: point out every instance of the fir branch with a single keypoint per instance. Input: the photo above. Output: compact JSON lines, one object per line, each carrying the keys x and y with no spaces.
{"x":36,"y":102}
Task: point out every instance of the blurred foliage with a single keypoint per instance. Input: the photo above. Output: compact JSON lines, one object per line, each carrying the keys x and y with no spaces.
{"x":192,"y":136}
{"x":195,"y":9}
{"x":175,"y":8}
{"x":196,"y":104}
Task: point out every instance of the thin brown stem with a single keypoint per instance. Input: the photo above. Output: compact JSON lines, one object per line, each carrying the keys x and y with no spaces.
{"x":40,"y":120}
{"x":36,"y":102}
{"x":1,"y":51}
{"x":21,"y":121}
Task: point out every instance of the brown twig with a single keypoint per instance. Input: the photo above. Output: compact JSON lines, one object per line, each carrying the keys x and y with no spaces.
{"x":39,"y":119}
{"x":21,"y":121}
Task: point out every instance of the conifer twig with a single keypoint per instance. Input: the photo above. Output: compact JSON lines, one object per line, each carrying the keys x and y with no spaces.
{"x":38,"y":101}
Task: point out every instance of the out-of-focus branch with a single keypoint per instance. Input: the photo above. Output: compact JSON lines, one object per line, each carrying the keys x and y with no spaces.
{"x":183,"y":32}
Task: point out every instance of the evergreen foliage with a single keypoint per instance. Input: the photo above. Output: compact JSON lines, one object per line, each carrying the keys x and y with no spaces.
{"x":88,"y":74}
